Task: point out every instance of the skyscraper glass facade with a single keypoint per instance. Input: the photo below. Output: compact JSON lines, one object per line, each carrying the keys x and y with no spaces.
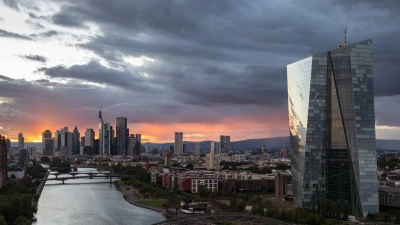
{"x":332,"y":128}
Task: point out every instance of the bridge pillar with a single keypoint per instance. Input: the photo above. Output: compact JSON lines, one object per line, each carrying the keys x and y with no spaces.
{"x":56,"y":175}
{"x":63,"y":181}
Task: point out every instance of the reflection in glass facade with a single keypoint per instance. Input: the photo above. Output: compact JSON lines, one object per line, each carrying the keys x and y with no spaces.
{"x":332,"y":128}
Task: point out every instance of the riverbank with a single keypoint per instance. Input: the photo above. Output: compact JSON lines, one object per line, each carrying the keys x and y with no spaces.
{"x":39,"y":189}
{"x":131,"y":195}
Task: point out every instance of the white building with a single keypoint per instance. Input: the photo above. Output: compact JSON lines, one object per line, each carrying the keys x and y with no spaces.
{"x":207,"y":182}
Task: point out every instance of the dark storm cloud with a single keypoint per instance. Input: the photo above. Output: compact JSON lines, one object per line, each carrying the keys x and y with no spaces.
{"x":96,"y":73}
{"x":37,"y":58}
{"x":4,"y":33}
{"x":49,"y":33}
{"x":195,"y":34}
{"x":12,"y":4}
{"x":67,"y":19}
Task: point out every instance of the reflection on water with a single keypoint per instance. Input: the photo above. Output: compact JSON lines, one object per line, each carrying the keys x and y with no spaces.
{"x":89,"y":201}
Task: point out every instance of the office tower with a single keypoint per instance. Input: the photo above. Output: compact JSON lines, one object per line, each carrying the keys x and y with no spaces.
{"x":75,"y":141}
{"x":108,"y":139}
{"x":131,"y":144}
{"x":57,"y":141}
{"x":106,"y":136}
{"x":197,"y":148}
{"x":46,"y":134}
{"x":332,"y":128}
{"x":65,"y":142}
{"x":89,"y":142}
{"x":122,"y":136}
{"x":168,"y":159}
{"x":215,"y":147}
{"x":178,"y":145}
{"x":134,"y":145}
{"x":138,"y":145}
{"x":225,"y":142}
{"x":22,"y":154}
{"x":82,"y":146}
{"x":48,"y":146}
{"x":3,"y":161}
{"x":8,"y":144}
{"x":20,"y":141}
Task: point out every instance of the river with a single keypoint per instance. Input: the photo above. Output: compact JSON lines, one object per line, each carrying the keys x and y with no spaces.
{"x":89,"y":201}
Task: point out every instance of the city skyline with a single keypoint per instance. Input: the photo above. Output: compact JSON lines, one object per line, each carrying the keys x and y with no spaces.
{"x":203,"y":68}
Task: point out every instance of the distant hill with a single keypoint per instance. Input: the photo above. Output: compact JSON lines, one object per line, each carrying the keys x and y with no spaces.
{"x":250,"y":144}
{"x":388,"y":144}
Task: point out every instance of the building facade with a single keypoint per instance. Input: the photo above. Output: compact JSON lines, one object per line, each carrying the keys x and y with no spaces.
{"x":76,"y":137}
{"x":178,"y":145}
{"x":197,"y":148}
{"x":21,"y":143}
{"x":122,"y":136}
{"x":332,"y":128}
{"x":3,"y":161}
{"x":225,"y":142}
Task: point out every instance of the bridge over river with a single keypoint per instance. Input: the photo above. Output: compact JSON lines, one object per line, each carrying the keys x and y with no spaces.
{"x":80,"y":175}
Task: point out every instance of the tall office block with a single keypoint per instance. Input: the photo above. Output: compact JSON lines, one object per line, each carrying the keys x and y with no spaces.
{"x":121,"y":136}
{"x":89,"y":142}
{"x":45,"y":134}
{"x":21,"y":144}
{"x":48,"y":146}
{"x":138,"y":145}
{"x":106,"y":136}
{"x":3,"y":161}
{"x":8,"y":144}
{"x":57,"y":140}
{"x":134,"y":145}
{"x":225,"y":142}
{"x":197,"y":148}
{"x":178,"y":145}
{"x":332,"y":128}
{"x":76,"y":136}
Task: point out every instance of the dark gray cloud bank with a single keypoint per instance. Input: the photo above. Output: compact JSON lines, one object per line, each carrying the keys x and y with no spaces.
{"x":208,"y":55}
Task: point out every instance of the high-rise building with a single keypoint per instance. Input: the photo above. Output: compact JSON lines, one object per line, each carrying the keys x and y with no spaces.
{"x":46,"y":134}
{"x":197,"y":148}
{"x":21,"y":144}
{"x":57,"y":141}
{"x":178,"y":145}
{"x":121,"y":136}
{"x":106,"y":136}
{"x":65,"y":142}
{"x":215,"y":147}
{"x":3,"y":161}
{"x":89,"y":142}
{"x":332,"y":128}
{"x":225,"y":142}
{"x":138,"y":145}
{"x":76,"y":136}
{"x":46,"y":145}
{"x":8,"y":144}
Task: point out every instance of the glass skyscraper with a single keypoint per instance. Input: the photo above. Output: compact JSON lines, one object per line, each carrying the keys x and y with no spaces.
{"x":332,"y":128}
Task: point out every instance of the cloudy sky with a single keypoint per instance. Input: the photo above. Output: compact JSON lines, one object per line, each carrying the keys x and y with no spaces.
{"x":206,"y":68}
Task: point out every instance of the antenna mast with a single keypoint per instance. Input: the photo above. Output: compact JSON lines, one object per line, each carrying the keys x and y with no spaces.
{"x":345,"y":33}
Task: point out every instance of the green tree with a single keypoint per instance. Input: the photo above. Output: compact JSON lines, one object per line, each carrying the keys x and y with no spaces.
{"x":44,"y":159}
{"x":387,"y":218}
{"x":190,"y":166}
{"x":2,"y":220}
{"x":22,"y":221}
